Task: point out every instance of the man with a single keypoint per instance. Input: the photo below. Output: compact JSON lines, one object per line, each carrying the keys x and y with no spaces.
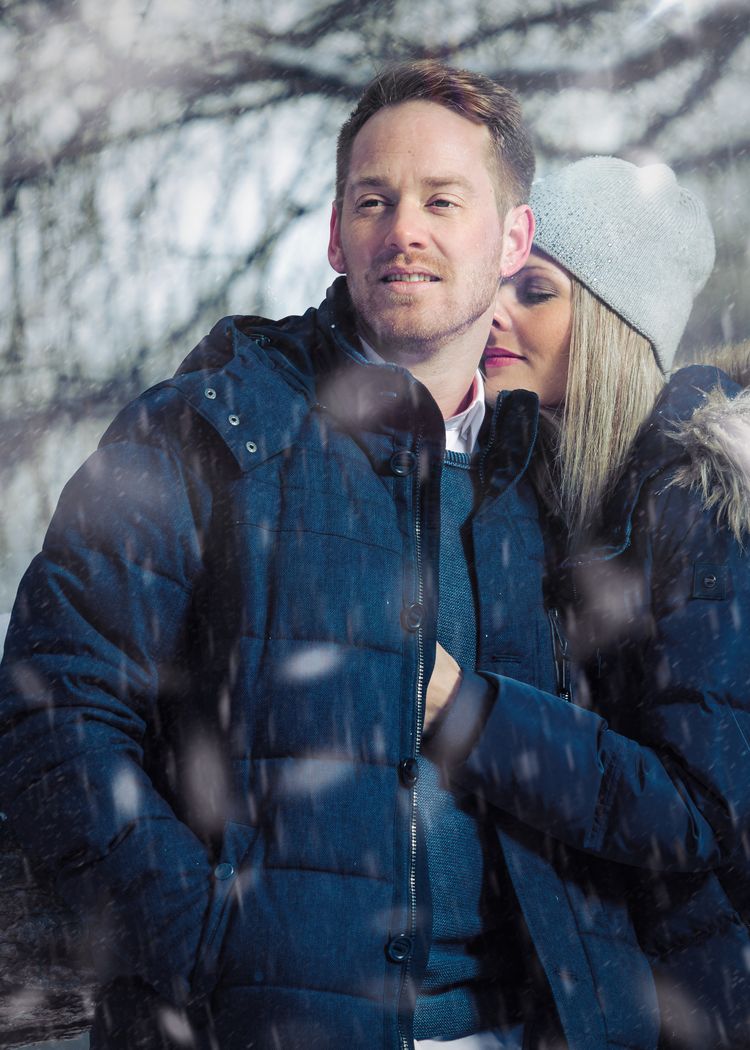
{"x":214,"y":689}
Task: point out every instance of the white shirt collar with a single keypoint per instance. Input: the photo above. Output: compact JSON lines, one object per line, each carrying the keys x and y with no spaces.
{"x":461,"y":430}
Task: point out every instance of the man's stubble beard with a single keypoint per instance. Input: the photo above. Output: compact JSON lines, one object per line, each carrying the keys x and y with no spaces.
{"x":413,"y":337}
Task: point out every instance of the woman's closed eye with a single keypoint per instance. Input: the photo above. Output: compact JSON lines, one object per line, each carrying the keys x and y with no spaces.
{"x":532,"y":296}
{"x":530,"y":291}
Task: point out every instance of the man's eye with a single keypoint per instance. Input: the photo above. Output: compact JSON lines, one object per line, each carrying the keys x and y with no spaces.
{"x":441,"y":202}
{"x":371,"y":202}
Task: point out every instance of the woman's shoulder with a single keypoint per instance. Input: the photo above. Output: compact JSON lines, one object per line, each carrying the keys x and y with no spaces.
{"x":689,"y":467}
{"x":713,"y":440}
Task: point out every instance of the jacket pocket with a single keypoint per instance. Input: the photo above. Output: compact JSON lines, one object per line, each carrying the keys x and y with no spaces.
{"x":237,"y":844}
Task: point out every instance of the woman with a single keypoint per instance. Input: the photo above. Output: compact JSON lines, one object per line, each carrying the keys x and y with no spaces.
{"x":647,"y":487}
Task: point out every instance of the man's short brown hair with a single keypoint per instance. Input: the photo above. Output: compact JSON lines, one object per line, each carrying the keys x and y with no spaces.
{"x":471,"y":95}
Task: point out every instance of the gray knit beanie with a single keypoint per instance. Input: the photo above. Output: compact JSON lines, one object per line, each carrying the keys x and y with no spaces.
{"x":639,"y":241}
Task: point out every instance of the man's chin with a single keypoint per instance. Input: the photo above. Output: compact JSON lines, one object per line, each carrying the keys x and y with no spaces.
{"x":404,"y":330}
{"x":408,"y":344}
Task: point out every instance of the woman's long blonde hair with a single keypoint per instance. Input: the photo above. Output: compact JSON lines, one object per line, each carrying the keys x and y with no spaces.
{"x":613,"y":382}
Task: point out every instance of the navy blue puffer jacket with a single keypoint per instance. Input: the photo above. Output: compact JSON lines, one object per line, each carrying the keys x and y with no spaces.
{"x":212,"y":696}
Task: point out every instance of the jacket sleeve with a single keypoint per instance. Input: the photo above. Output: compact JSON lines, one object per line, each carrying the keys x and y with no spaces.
{"x":673,"y":792}
{"x":96,"y":630}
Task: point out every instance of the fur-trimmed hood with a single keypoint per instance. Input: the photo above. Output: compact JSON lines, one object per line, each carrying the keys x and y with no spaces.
{"x":716,"y":438}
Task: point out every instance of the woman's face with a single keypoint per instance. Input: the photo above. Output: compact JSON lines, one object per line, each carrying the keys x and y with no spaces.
{"x":530,"y":336}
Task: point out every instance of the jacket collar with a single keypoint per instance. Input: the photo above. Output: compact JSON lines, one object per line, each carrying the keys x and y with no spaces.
{"x":508,"y":437}
{"x":291,"y":367}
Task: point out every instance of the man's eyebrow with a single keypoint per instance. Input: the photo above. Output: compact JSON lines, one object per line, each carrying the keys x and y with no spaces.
{"x":438,"y":182}
{"x":374,"y":181}
{"x":433,"y":182}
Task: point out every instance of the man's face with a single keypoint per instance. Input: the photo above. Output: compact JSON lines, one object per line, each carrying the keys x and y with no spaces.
{"x":419,"y":234}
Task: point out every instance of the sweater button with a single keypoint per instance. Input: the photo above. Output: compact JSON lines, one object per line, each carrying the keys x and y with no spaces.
{"x":402,"y":462}
{"x":398,"y":948}
{"x":223,"y":871}
{"x":412,"y":617}
{"x":408,"y":771}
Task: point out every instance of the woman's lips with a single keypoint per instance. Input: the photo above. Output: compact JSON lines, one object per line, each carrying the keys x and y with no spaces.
{"x":498,"y":358}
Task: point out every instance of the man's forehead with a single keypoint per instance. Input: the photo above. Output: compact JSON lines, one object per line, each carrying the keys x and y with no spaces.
{"x":422,"y":141}
{"x":427,"y":124}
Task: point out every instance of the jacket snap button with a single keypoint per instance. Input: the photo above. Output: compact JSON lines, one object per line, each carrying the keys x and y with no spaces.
{"x":251,"y":446}
{"x":223,"y":871}
{"x":408,"y":771}
{"x":402,"y":462}
{"x":398,"y":948}
{"x":709,"y":582}
{"x":412,"y":617}
{"x":210,"y":393}
{"x":234,"y":420}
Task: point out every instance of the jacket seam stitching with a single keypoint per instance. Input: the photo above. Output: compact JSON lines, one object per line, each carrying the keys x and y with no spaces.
{"x":187,"y":588}
{"x":612,"y":776}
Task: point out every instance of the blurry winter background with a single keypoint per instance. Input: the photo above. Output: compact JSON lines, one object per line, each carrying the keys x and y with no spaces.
{"x":169,"y":161}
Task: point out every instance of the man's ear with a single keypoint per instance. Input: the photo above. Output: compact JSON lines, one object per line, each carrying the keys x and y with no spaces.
{"x":335,"y":251}
{"x":518,"y":233}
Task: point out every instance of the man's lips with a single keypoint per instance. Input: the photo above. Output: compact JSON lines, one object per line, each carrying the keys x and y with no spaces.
{"x":398,"y":276}
{"x":498,"y":356}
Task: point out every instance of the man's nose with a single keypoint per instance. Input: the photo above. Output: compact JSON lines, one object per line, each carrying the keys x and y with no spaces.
{"x":407,"y":229}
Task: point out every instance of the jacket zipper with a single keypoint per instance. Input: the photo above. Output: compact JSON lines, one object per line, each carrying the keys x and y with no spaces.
{"x":560,"y":651}
{"x":418,"y":716}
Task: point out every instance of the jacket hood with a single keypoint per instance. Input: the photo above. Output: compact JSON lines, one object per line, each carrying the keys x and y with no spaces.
{"x":302,"y":347}
{"x":715,"y":440}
